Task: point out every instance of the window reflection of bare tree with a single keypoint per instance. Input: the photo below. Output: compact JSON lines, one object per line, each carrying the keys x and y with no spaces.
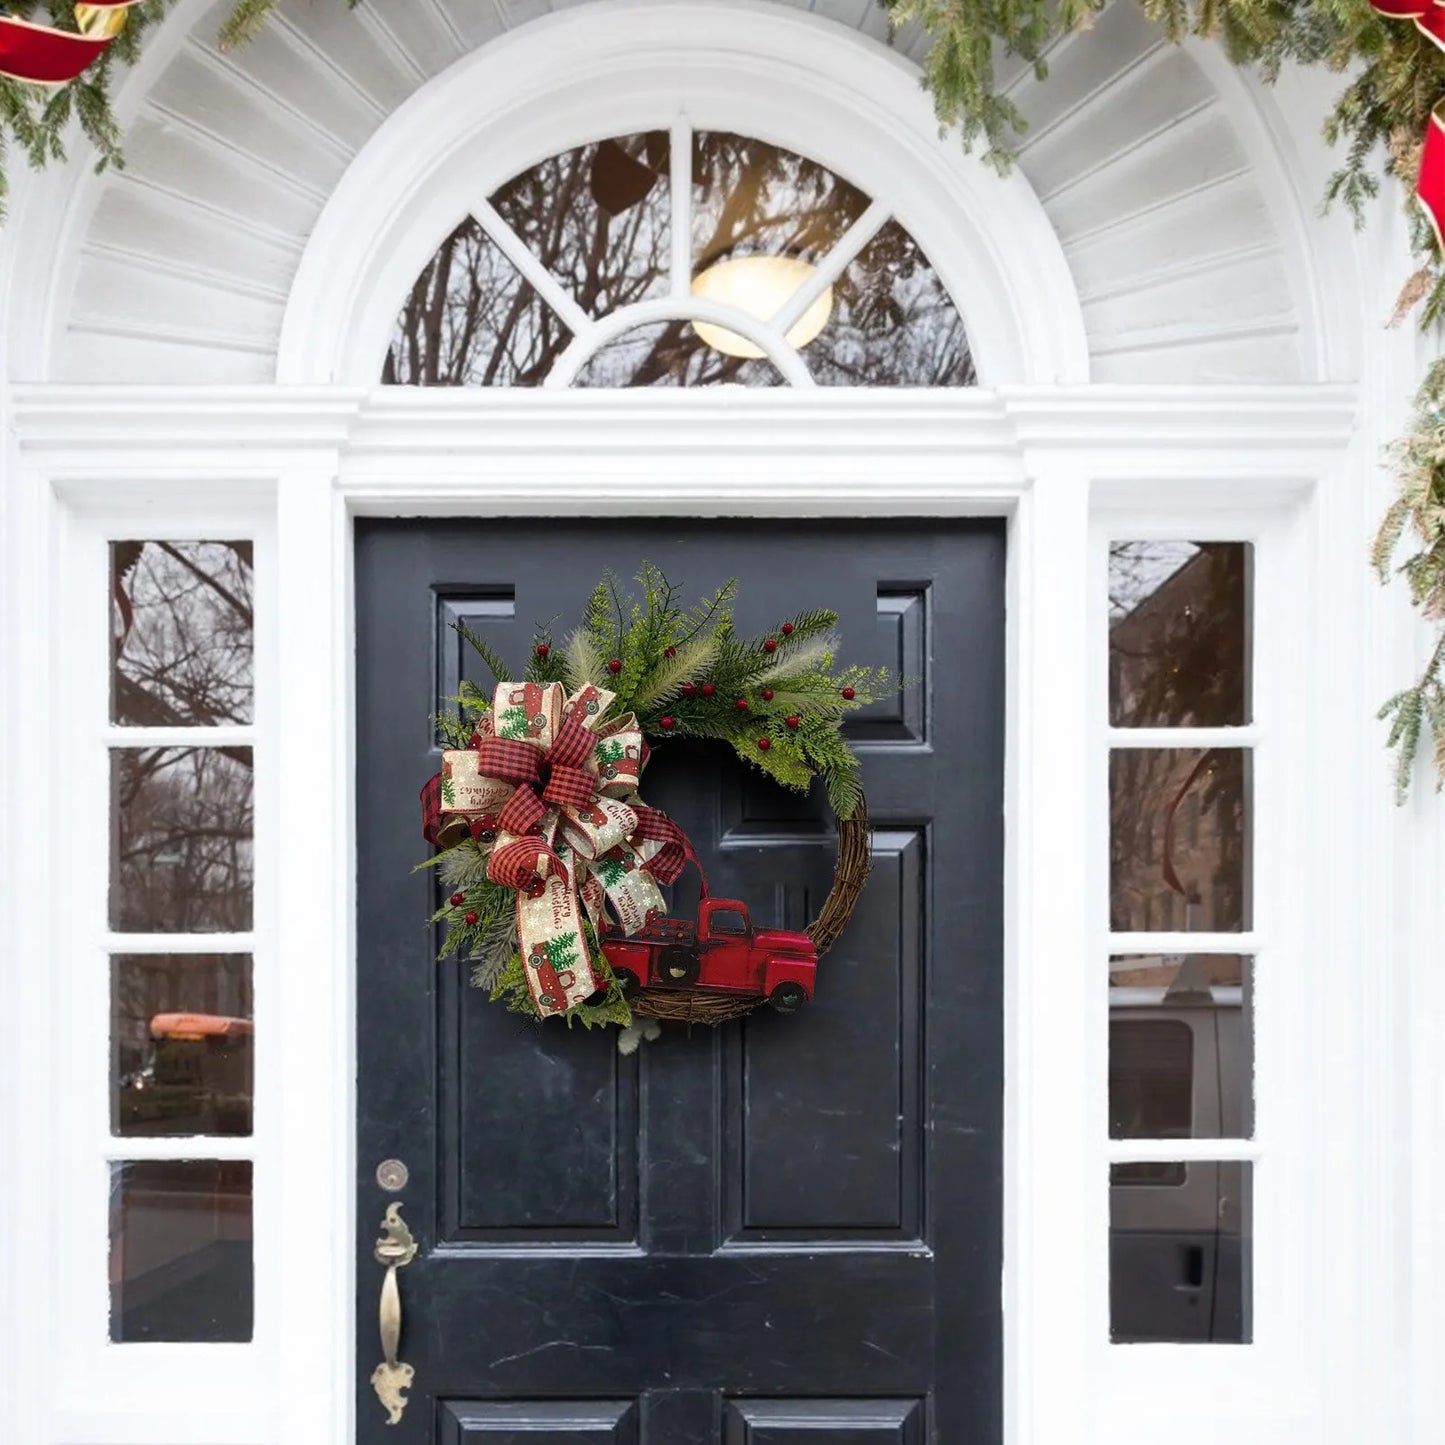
{"x":182,"y":850}
{"x":1178,"y":656}
{"x":181,"y":656}
{"x":599,"y":220}
{"x":181,"y":634}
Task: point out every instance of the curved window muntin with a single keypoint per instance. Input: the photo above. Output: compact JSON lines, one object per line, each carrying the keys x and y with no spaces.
{"x":591,"y":334}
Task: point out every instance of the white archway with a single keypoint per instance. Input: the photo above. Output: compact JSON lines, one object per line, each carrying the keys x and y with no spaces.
{"x":605,"y":69}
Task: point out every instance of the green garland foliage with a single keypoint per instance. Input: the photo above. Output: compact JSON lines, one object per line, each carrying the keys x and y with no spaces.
{"x":682,"y":670}
{"x":1419,"y":512}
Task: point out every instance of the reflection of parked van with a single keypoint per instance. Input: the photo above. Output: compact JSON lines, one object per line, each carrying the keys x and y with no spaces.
{"x":1179,"y":1067}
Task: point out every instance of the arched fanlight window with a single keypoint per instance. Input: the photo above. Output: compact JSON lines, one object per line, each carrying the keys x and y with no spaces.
{"x":628,"y":262}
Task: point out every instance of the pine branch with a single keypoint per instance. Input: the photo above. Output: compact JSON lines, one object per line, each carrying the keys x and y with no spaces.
{"x":489,"y":655}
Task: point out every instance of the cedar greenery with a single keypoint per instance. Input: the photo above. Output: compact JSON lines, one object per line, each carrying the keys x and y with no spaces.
{"x":666,"y":652}
{"x":1394,"y":76}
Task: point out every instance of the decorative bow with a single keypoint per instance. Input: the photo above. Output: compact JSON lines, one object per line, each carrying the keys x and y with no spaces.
{"x":43,"y":55}
{"x":1429,"y":18}
{"x":542,"y":789}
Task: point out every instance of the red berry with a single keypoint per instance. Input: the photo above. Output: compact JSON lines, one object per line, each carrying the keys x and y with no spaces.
{"x":741,"y":704}
{"x":786,"y":629}
{"x":666,"y":724}
{"x":458,"y":899}
{"x":542,"y":649}
{"x":689,"y":689}
{"x":669,"y":652}
{"x":767,"y":694}
{"x":849,"y":694}
{"x":793,"y":720}
{"x":615,"y":665}
{"x":765,"y":743}
{"x":472,"y":918}
{"x":708,"y":689}
{"x":770,"y":646}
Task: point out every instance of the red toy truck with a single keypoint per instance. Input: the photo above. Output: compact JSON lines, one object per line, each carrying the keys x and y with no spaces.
{"x":721,"y":951}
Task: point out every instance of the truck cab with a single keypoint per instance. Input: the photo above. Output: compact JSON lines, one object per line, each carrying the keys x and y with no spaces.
{"x":721,"y":951}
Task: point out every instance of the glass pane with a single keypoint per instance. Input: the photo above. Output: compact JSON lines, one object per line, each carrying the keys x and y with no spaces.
{"x":181,"y":633}
{"x":472,"y":320}
{"x":1179,"y":832}
{"x":892,"y":323}
{"x":181,"y":1031}
{"x":181,"y":840}
{"x":1181,"y":1048}
{"x":1179,"y":1254}
{"x":599,"y":218}
{"x":671,"y":353}
{"x":751,"y":198}
{"x":180,"y":1251}
{"x":1179,"y":643}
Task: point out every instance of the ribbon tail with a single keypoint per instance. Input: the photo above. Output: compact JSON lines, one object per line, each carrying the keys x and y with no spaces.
{"x":558,"y":964}
{"x":1430,"y":189}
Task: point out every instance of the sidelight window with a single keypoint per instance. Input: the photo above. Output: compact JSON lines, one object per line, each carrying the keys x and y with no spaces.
{"x":1182,"y":920}
{"x":180,"y":918}
{"x":620,"y":263}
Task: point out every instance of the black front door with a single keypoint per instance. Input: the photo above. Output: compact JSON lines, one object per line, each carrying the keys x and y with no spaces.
{"x":785,"y":1229}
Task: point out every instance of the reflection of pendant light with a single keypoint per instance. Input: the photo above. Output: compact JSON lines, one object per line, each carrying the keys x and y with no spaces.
{"x":758,"y":286}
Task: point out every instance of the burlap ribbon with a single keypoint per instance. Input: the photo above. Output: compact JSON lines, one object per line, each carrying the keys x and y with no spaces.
{"x":548,"y":789}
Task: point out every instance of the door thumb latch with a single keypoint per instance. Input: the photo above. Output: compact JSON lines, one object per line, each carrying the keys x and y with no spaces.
{"x":395,"y":1249}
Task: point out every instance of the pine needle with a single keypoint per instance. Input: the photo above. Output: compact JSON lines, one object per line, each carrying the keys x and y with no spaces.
{"x":493,"y":951}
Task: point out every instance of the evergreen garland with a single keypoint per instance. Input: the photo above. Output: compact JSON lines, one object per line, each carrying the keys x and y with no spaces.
{"x":681,"y":670}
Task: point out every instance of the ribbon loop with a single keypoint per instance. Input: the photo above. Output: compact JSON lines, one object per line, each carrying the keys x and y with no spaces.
{"x":542,"y":788}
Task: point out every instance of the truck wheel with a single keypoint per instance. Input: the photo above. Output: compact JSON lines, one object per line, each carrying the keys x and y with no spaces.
{"x":627,"y":981}
{"x":788,"y":998}
{"x":678,"y":965}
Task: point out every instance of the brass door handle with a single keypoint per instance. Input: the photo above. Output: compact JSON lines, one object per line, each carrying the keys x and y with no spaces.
{"x":395,"y":1249}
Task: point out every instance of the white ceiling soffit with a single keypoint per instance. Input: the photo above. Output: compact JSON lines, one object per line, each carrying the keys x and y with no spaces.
{"x":1181,"y":267}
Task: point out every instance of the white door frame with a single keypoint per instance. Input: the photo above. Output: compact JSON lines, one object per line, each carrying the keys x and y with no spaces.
{"x":1051,"y":462}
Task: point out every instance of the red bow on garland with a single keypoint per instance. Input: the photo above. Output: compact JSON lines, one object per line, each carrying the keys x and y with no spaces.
{"x":542,"y":788}
{"x":1429,"y":18}
{"x":43,"y":55}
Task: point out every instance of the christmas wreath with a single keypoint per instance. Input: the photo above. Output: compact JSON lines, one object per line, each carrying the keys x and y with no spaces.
{"x":552,"y":864}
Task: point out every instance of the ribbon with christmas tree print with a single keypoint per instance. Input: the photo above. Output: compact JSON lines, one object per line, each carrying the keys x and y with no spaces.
{"x":44,"y":55}
{"x":549,"y":789}
{"x":1429,"y":18}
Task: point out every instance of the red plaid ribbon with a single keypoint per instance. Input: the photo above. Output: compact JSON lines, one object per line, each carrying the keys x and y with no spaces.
{"x":668,"y":862}
{"x":557,"y":769}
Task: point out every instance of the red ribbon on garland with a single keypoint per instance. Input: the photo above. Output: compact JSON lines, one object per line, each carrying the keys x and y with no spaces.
{"x":43,"y":55}
{"x":1429,"y":19}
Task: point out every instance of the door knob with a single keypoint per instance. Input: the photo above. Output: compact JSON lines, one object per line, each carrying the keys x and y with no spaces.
{"x":395,"y":1249}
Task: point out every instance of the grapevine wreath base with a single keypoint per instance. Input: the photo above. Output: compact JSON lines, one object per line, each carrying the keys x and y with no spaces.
{"x":551,"y":861}
{"x":850,"y":872}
